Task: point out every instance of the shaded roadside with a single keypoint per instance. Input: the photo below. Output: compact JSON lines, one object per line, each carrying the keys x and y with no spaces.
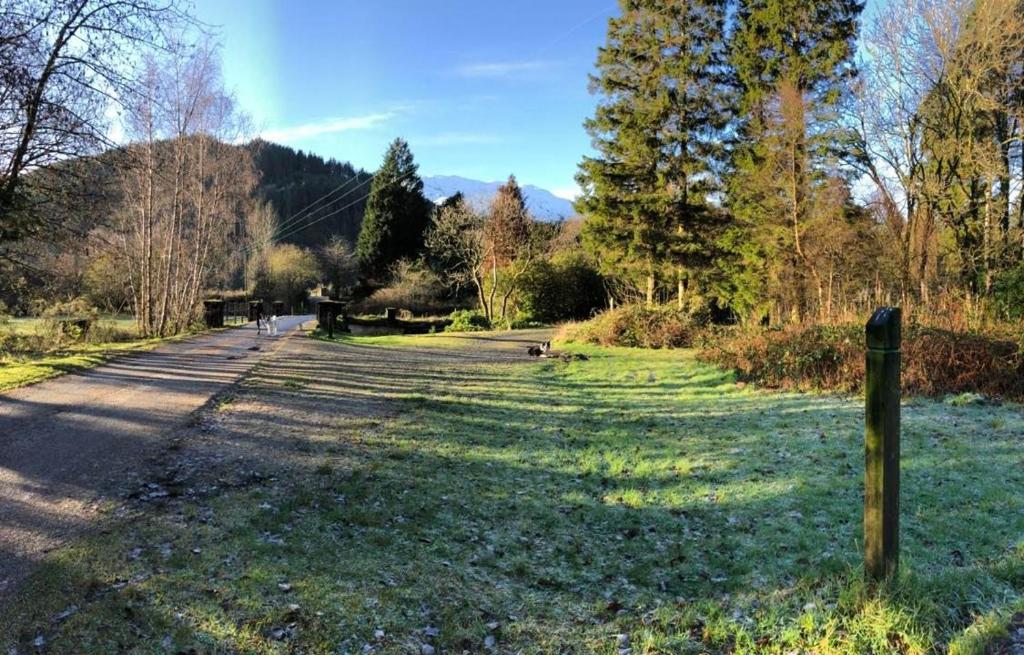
{"x":66,"y":443}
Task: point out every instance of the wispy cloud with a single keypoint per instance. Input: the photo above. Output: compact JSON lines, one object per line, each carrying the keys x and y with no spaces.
{"x":504,"y":69}
{"x":327,"y":126}
{"x":456,"y":139}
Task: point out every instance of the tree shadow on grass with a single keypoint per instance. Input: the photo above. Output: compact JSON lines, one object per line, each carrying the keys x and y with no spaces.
{"x":577,"y":505}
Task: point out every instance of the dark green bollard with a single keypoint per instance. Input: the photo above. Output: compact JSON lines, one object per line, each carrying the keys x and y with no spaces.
{"x":213,"y":313}
{"x":882,"y":445}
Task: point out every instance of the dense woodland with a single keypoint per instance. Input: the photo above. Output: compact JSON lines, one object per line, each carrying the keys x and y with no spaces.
{"x":747,"y":153}
{"x":755,"y":161}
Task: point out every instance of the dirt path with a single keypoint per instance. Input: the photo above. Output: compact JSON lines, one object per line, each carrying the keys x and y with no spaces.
{"x":309,"y":394}
{"x":66,"y":443}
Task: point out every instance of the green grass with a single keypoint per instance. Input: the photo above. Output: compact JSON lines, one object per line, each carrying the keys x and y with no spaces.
{"x":638,"y":493}
{"x":20,"y":370}
{"x":26,"y":326}
{"x":42,"y":361}
{"x":444,"y":340}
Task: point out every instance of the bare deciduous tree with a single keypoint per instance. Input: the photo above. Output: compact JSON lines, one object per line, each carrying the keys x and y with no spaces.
{"x":62,"y":64}
{"x":457,"y":239}
{"x":938,"y":71}
{"x":186,"y":188}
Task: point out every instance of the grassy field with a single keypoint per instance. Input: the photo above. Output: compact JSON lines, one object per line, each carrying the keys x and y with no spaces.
{"x":638,"y":500}
{"x":34,"y":357}
{"x":26,"y":326}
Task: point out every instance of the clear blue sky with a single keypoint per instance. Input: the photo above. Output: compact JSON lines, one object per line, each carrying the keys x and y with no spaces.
{"x":479,"y":89}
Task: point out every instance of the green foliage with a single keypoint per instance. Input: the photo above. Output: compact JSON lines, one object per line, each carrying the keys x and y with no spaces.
{"x":413,"y":287}
{"x":792,"y":60}
{"x":69,"y":320}
{"x":809,"y":43}
{"x":635,"y":326}
{"x":656,"y":132}
{"x":1008,"y":292}
{"x":468,"y":320}
{"x":292,"y":181}
{"x":105,"y":284}
{"x":287,"y":274}
{"x":565,"y":287}
{"x":397,"y":214}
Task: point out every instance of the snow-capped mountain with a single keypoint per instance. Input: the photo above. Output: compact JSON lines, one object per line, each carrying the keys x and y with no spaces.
{"x":543,"y":204}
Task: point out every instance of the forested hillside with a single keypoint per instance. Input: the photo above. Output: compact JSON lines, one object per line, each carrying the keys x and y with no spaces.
{"x":291,"y":181}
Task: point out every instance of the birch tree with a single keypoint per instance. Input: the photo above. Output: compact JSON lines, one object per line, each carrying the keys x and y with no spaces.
{"x":185,"y":189}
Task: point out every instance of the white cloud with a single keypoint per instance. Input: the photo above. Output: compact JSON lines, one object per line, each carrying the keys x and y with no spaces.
{"x":326,"y":126}
{"x":503,"y":68}
{"x":456,"y":139}
{"x":567,"y":193}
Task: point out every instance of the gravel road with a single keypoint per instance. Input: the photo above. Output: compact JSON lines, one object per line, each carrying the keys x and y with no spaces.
{"x":65,"y":444}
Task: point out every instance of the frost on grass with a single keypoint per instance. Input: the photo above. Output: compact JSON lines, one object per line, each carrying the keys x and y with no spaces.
{"x":633,"y":502}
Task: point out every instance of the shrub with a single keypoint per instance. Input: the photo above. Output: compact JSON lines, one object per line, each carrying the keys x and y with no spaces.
{"x":636,"y":327}
{"x":69,"y":320}
{"x":413,"y":287}
{"x":1008,"y":293}
{"x":799,"y":357}
{"x":566,"y":287}
{"x":936,"y":362}
{"x":286,"y":273}
{"x":468,"y":320}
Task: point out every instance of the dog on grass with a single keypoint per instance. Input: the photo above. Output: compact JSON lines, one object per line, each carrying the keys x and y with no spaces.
{"x":539,"y":351}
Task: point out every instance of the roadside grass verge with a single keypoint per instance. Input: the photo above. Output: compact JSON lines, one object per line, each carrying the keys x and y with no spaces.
{"x":18,"y":370}
{"x":552,"y":507}
{"x":27,"y":326}
{"x":24,"y":367}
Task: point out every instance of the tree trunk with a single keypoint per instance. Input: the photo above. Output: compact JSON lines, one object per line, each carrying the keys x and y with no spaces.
{"x":650,"y":288}
{"x":494,"y":288}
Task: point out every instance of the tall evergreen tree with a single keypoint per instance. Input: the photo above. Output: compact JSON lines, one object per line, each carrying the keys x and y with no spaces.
{"x":791,"y":60}
{"x":397,"y":214}
{"x":656,"y":130}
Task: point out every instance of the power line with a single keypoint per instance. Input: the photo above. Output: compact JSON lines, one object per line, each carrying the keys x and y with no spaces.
{"x":303,"y":214}
{"x":291,"y":220}
{"x":351,"y":204}
{"x":279,"y":237}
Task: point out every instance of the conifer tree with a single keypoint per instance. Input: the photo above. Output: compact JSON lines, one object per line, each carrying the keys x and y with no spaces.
{"x":656,"y":131}
{"x":397,"y":214}
{"x":510,"y":231}
{"x":791,"y":60}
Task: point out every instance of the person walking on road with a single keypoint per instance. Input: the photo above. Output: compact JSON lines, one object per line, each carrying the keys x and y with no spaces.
{"x":260,"y":319}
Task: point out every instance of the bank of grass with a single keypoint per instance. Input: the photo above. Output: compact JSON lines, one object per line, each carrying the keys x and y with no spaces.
{"x":29,"y":326}
{"x":30,"y":356}
{"x":549,"y":508}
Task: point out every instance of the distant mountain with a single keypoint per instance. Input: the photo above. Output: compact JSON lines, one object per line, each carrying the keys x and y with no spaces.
{"x":543,"y":204}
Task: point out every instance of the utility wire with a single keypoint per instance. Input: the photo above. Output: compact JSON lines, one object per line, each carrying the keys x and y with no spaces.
{"x":304,"y":212}
{"x":279,"y":237}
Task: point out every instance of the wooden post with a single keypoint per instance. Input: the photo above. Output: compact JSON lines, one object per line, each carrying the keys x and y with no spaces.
{"x":213,"y":313}
{"x":882,"y":445}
